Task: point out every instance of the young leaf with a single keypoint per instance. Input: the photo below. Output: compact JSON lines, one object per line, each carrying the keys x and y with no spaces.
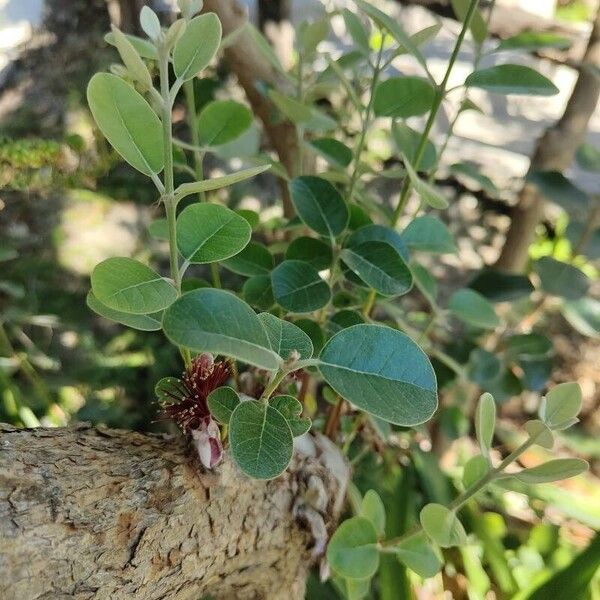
{"x":382,"y":371}
{"x":260,"y":439}
{"x":196,"y":47}
{"x":319,"y":205}
{"x":129,"y":286}
{"x":476,"y":468}
{"x":512,"y":79}
{"x":472,"y":308}
{"x":258,"y":292}
{"x":372,"y":508}
{"x":143,"y":47}
{"x":403,"y":97}
{"x":311,"y":250}
{"x":150,"y":23}
{"x":254,"y":259}
{"x":297,"y":287}
{"x":561,"y":404}
{"x":352,"y":551}
{"x":553,"y":470}
{"x":442,"y":525}
{"x":417,"y":554}
{"x":131,"y":59}
{"x":127,"y":121}
{"x":141,"y":322}
{"x":428,"y":193}
{"x":222,"y":402}
{"x":561,"y":279}
{"x":216,"y":183}
{"x":541,"y":432}
{"x":285,"y":337}
{"x":222,"y":121}
{"x":485,"y":422}
{"x":210,"y":232}
{"x":291,"y":410}
{"x":380,"y":266}
{"x":210,"y":320}
{"x":429,"y":234}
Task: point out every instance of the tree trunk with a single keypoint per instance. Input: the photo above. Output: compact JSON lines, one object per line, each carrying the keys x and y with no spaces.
{"x":91,"y":513}
{"x":554,"y":151}
{"x":252,"y":68}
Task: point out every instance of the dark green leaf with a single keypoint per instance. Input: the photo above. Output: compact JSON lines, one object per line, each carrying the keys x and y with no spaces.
{"x":407,"y":141}
{"x":285,"y":337}
{"x":403,"y":97}
{"x":429,"y":234}
{"x":297,"y":287}
{"x":291,"y":410}
{"x":257,"y":292}
{"x":584,"y":316}
{"x":260,"y":439}
{"x":210,"y":232}
{"x":498,"y":286}
{"x":254,"y":259}
{"x":319,"y":205}
{"x":311,"y":250}
{"x":561,"y":279}
{"x":334,"y":152}
{"x":512,"y":79}
{"x":472,"y":308}
{"x":210,"y":320}
{"x":381,"y":371}
{"x":222,"y":402}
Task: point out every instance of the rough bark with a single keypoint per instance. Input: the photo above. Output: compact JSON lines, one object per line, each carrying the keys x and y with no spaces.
{"x":100,"y":514}
{"x":554,"y":151}
{"x":251,"y":69}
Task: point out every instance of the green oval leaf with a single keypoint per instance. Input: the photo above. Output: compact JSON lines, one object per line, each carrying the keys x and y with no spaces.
{"x":472,"y":308}
{"x":512,"y":79}
{"x":403,"y":97}
{"x":311,"y":250}
{"x":254,"y":259}
{"x":196,"y":47}
{"x":584,"y":316}
{"x":372,"y":508}
{"x":210,"y":320}
{"x":485,"y":422}
{"x":222,"y":402}
{"x":553,"y":470}
{"x":223,"y":121}
{"x":297,"y":287}
{"x":561,"y":279}
{"x":475,"y":469}
{"x":129,"y":286}
{"x":210,"y":232}
{"x":429,"y":234}
{"x":141,"y":322}
{"x":291,"y":410}
{"x":352,"y":551}
{"x":285,"y":337}
{"x":382,"y":371}
{"x":258,"y":292}
{"x":127,"y":121}
{"x":378,"y":233}
{"x":418,"y":555}
{"x":561,"y":404}
{"x":333,"y":151}
{"x":442,"y":525}
{"x":380,"y":266}
{"x":319,"y":205}
{"x":541,"y":433}
{"x":260,"y":439}
{"x":407,"y":141}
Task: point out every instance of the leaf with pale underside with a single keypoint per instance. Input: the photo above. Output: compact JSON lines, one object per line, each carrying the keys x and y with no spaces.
{"x":442,"y":525}
{"x":196,"y":47}
{"x":141,"y":322}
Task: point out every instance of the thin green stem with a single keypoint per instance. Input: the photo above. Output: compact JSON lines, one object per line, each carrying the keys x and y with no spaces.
{"x":437,"y":102}
{"x":275,"y":382}
{"x":463,"y":498}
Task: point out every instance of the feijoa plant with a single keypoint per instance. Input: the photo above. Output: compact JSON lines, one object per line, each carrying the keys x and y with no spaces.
{"x":321,"y":305}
